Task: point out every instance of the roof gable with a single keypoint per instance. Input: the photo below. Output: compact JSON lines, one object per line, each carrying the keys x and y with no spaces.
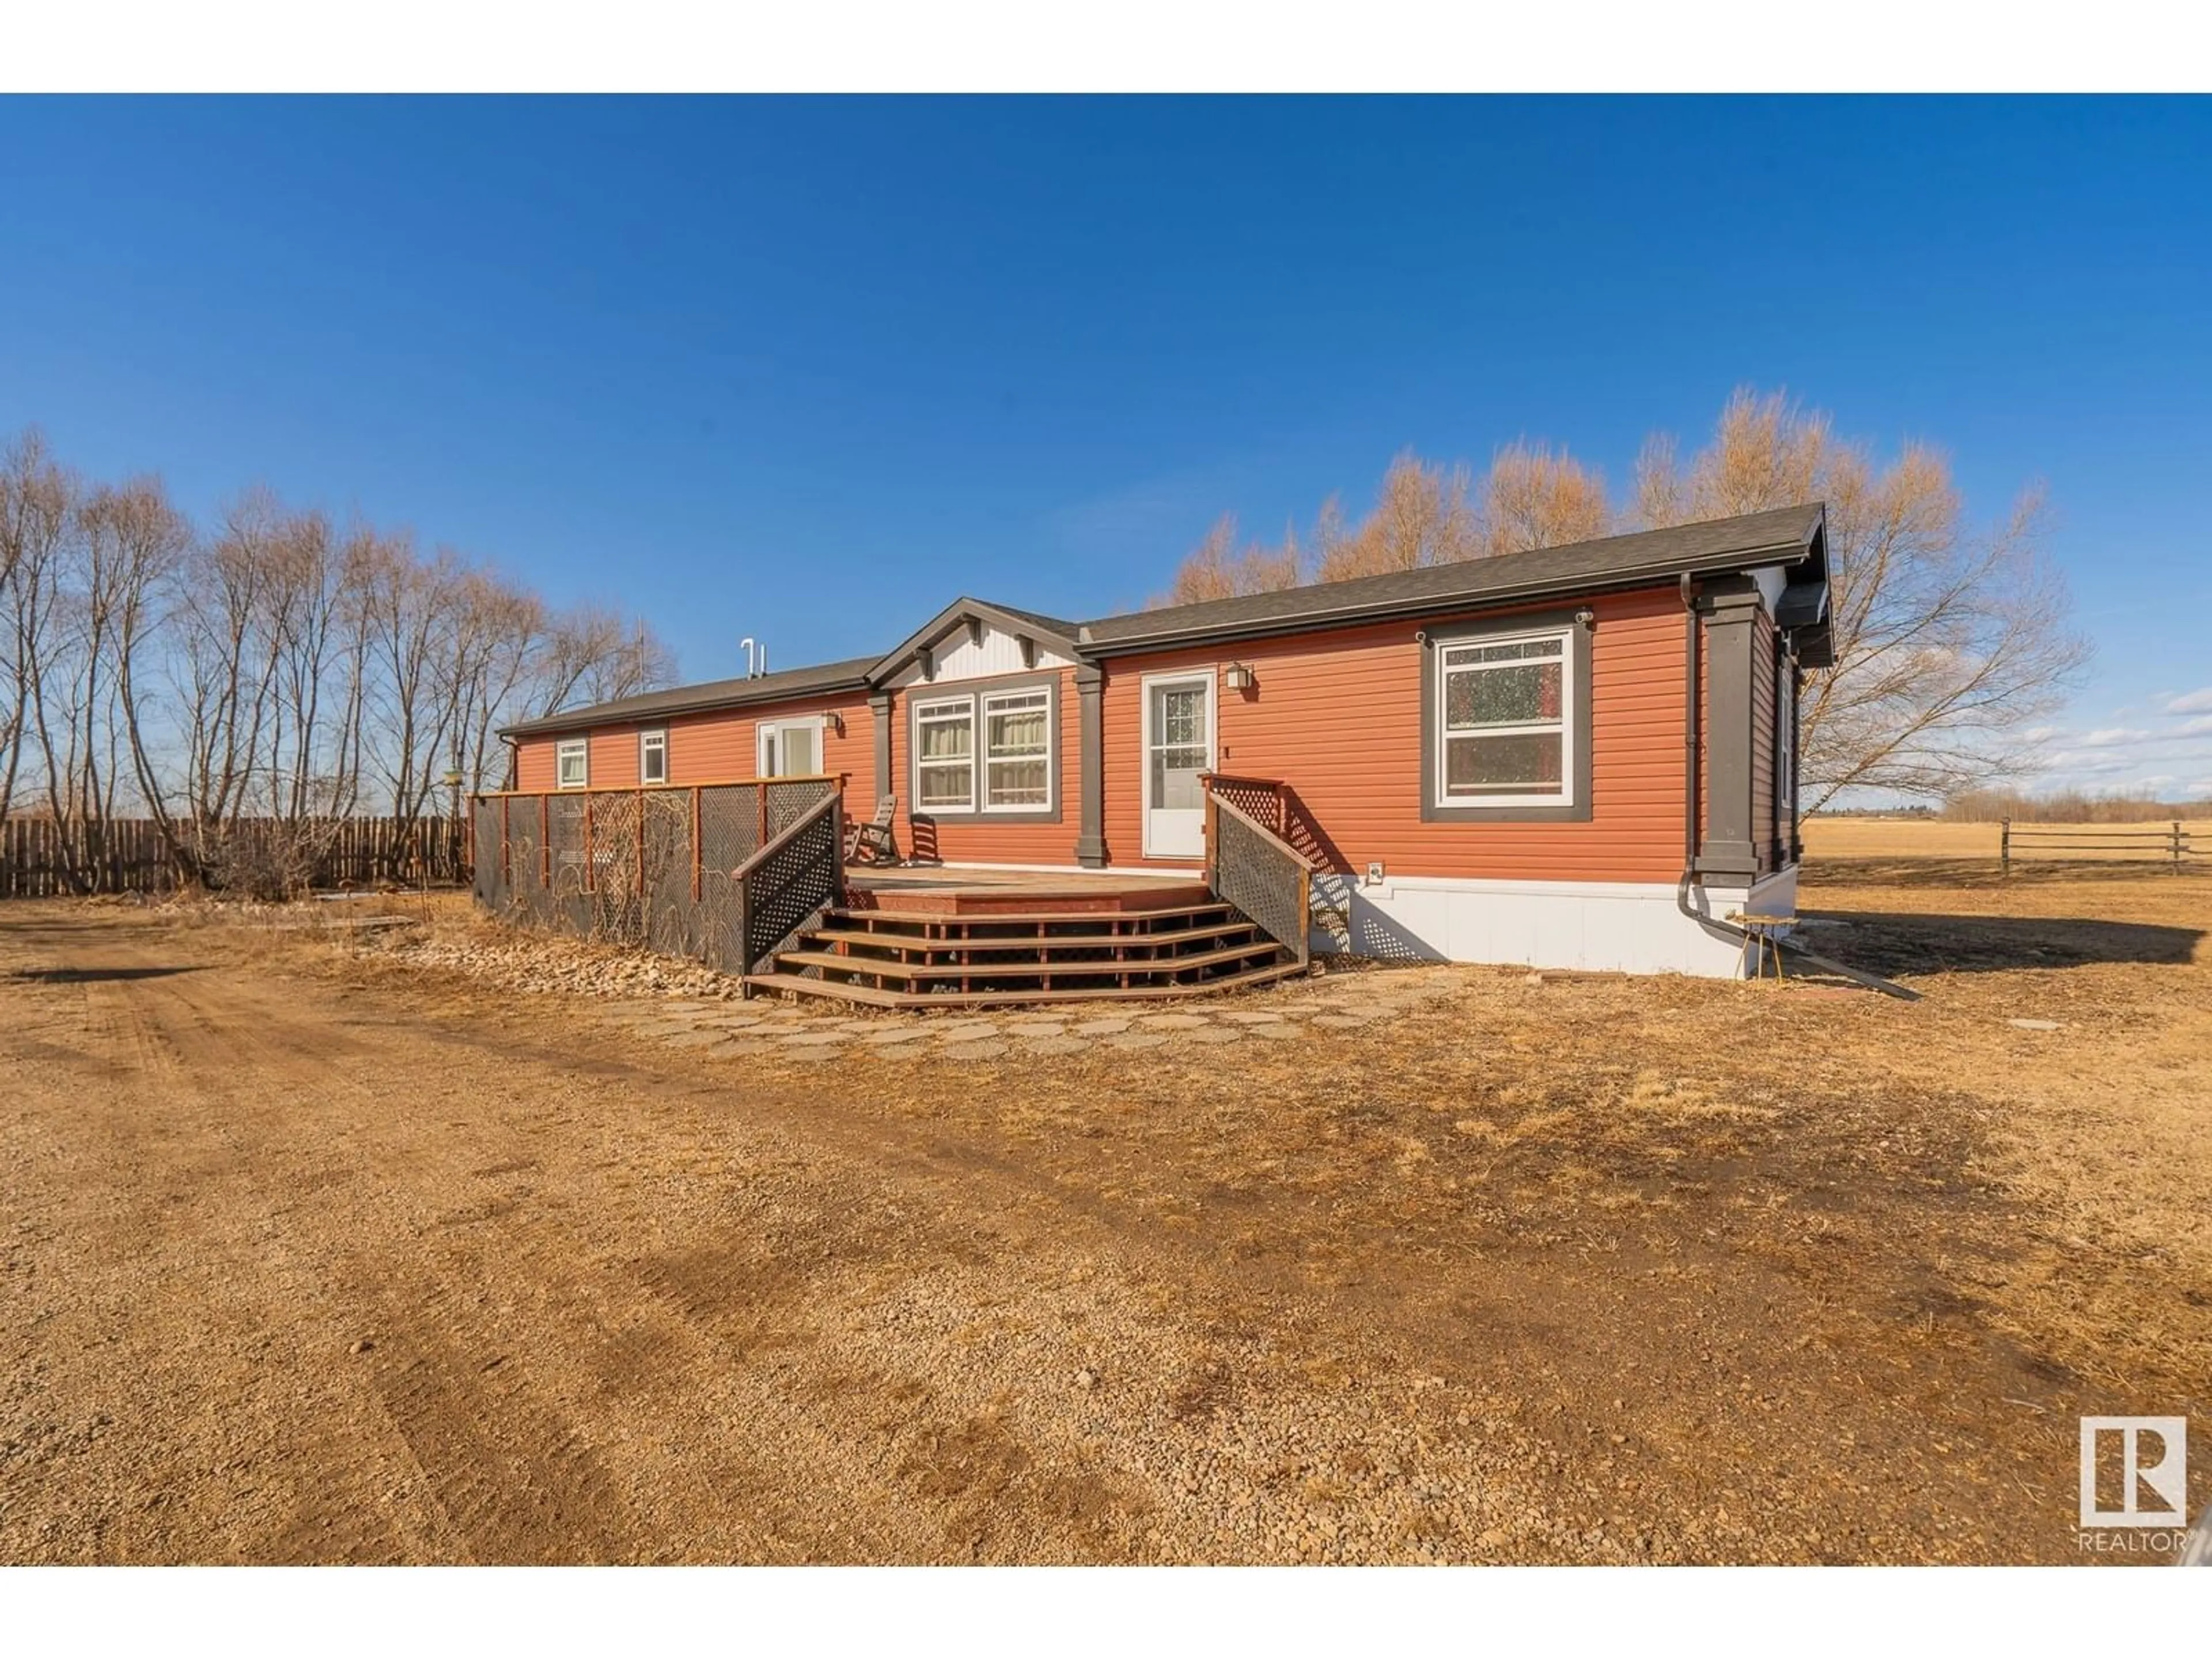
{"x":975,"y":615}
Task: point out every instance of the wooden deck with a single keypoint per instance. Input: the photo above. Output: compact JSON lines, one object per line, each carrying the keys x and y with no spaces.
{"x":1013,"y":895}
{"x":922,"y":938}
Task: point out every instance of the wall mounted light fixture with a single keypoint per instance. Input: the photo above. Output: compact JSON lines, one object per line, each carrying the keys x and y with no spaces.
{"x":1239,"y":677}
{"x":836,"y":722}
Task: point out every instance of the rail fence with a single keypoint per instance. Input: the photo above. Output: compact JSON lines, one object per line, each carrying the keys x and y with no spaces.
{"x":2169,"y":844}
{"x":40,"y":858}
{"x":721,"y":874}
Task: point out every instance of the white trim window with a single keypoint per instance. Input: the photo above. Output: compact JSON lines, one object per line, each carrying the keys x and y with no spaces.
{"x":1017,"y":749}
{"x":653,"y":756}
{"x":1505,"y":721}
{"x":791,"y":748}
{"x":572,"y":763}
{"x":944,"y":755}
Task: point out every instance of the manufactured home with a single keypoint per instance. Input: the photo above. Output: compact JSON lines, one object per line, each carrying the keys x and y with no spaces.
{"x":1581,"y":756}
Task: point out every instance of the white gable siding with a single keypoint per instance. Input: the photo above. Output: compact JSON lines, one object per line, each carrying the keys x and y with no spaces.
{"x":962,"y":658}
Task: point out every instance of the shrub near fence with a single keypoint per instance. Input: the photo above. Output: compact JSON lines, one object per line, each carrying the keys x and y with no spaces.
{"x":676,"y":870}
{"x":268,"y":857}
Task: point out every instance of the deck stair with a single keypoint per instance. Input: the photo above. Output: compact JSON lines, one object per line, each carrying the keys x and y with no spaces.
{"x":1026,"y":949}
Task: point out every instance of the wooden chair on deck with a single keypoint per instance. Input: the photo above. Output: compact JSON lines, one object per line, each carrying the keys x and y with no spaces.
{"x":874,"y":837}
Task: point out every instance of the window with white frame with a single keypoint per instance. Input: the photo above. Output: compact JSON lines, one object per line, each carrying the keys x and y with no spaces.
{"x":944,"y":755}
{"x":1503,"y":722}
{"x":572,"y":763}
{"x":652,"y":757}
{"x":1017,"y":749}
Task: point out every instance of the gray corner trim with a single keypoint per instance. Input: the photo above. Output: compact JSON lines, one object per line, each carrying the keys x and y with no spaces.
{"x":1795,"y":679}
{"x":1091,"y":711}
{"x":975,"y":691}
{"x":880,"y":705}
{"x":1579,"y":646}
{"x":1730,"y":609}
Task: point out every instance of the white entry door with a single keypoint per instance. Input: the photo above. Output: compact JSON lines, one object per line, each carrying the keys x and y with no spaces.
{"x":791,"y":749}
{"x":1178,"y":747}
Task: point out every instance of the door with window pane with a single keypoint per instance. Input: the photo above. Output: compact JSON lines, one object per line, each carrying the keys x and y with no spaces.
{"x":1178,"y":751}
{"x":791,"y":749}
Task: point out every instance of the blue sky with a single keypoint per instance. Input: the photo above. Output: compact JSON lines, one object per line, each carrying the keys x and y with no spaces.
{"x":803,"y":369}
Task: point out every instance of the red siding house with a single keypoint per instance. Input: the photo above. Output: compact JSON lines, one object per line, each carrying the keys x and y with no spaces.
{"x":1580,"y":756}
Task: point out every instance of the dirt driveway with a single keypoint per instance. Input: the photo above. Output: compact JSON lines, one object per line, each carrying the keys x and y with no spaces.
{"x":315,"y":1258}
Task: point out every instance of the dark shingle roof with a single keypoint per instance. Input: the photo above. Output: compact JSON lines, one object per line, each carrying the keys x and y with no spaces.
{"x":1785,"y":536}
{"x":713,"y":694}
{"x":1780,"y":537}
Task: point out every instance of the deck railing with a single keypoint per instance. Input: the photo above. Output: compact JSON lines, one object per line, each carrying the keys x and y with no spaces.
{"x":655,"y":867}
{"x":1267,"y":800}
{"x":1252,"y":866}
{"x":787,"y":886}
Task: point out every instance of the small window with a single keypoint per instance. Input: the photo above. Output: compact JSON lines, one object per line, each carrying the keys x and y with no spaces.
{"x":652,"y":757}
{"x":1503,"y":722}
{"x":573,"y":764}
{"x":1017,"y":749}
{"x":944,"y":755}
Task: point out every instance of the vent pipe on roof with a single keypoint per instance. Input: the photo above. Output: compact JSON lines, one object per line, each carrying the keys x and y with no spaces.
{"x":751,"y":671}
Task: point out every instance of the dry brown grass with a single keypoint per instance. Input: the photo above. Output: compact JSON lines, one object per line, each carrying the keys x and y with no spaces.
{"x":1650,"y":1268}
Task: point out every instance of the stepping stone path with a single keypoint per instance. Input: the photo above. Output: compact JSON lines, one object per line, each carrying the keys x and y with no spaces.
{"x":810,"y":1033}
{"x":699,"y":1039}
{"x":973,"y":1050}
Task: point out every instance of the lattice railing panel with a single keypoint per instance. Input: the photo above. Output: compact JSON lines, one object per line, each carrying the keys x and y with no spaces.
{"x":788,"y":801}
{"x":1258,"y":873}
{"x":794,"y":879}
{"x":660,"y":868}
{"x":1260,"y":796}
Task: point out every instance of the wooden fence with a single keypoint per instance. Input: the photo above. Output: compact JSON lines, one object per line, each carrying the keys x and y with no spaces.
{"x":2165,"y":844}
{"x":41,"y":859}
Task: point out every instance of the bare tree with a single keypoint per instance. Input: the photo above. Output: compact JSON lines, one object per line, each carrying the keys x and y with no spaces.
{"x":1533,"y":497}
{"x":590,"y":654}
{"x":38,"y":502}
{"x":244,"y":691}
{"x":137,"y":541}
{"x":1422,"y":516}
{"x":1950,"y":641}
{"x":1217,"y":569}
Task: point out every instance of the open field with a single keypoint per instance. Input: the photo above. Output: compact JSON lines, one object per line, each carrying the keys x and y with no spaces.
{"x":327,"y":1250}
{"x":1828,"y":840}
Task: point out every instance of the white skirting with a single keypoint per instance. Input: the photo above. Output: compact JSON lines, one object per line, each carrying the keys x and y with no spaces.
{"x":1625,"y":926}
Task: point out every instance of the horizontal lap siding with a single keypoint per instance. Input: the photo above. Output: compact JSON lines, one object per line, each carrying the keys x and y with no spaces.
{"x":982,"y":840}
{"x":1763,"y":664}
{"x":719,"y":746}
{"x":533,"y":764}
{"x":1338,"y":716}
